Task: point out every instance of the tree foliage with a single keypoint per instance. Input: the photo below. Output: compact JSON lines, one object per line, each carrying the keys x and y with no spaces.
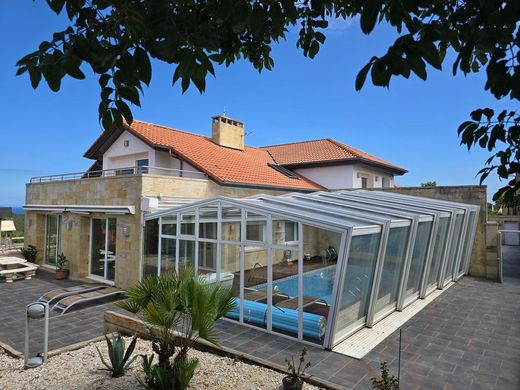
{"x":429,"y":184}
{"x":118,"y":38}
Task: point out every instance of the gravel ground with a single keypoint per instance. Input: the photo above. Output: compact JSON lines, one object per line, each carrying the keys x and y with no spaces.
{"x":80,"y":369}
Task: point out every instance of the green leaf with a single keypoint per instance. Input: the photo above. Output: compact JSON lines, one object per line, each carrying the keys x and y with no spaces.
{"x":418,"y":67}
{"x":142,"y":62}
{"x":124,"y":110}
{"x":369,"y":15}
{"x":314,"y":49}
{"x":362,"y":75}
{"x":35,"y":75}
{"x":257,"y":19}
{"x":431,"y":54}
{"x":56,"y":5}
{"x":130,"y":94}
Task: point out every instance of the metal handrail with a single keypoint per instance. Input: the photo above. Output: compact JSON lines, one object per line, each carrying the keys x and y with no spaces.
{"x":120,"y":172}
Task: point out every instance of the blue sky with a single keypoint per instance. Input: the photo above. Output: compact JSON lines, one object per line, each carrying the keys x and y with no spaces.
{"x":412,"y":124}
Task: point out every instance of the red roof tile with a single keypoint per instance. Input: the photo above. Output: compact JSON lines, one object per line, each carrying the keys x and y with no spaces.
{"x":320,"y":151}
{"x":224,"y":165}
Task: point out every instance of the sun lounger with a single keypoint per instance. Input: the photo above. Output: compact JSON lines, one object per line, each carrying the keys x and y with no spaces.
{"x":59,"y":293}
{"x":67,"y":303}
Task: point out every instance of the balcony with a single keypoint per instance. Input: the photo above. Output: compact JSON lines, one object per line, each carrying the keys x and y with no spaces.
{"x":142,"y":170}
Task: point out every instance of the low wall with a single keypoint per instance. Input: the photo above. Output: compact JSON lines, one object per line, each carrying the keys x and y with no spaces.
{"x":483,"y":258}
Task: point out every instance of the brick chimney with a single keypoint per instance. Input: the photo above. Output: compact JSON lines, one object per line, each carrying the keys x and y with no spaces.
{"x":227,"y":132}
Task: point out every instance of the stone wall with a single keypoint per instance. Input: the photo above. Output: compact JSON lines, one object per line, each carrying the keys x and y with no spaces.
{"x":116,"y":190}
{"x":482,"y":264}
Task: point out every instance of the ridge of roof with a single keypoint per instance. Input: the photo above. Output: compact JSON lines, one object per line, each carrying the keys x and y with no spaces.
{"x":296,"y":142}
{"x":168,"y":128}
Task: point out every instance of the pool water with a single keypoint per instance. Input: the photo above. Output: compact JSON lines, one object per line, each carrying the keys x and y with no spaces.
{"x":316,"y":284}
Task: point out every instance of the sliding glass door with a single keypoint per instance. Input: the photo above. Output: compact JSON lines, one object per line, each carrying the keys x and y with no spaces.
{"x":103,"y":248}
{"x":52,"y":238}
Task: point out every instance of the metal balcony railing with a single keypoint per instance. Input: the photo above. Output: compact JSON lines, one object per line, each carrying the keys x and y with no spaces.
{"x":142,"y":170}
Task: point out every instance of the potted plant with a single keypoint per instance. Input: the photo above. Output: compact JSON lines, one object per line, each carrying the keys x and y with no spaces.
{"x":294,"y":378}
{"x":61,"y":271}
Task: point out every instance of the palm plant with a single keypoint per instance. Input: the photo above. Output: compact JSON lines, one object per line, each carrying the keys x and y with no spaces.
{"x":178,"y":309}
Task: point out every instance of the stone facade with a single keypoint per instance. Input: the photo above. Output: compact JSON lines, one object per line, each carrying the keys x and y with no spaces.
{"x":113,"y":191}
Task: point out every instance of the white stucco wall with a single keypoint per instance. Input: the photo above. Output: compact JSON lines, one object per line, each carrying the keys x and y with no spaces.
{"x":118,"y":156}
{"x":346,"y":176}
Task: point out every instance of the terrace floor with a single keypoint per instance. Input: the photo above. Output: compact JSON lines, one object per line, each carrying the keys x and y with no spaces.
{"x":469,"y":337}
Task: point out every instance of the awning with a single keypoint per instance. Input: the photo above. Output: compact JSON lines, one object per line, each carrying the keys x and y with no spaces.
{"x":81,"y":209}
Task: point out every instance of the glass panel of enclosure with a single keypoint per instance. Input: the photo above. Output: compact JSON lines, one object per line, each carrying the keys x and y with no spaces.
{"x":356,"y":284}
{"x":256,"y":288}
{"x":468,"y":242}
{"x":188,"y":224}
{"x":455,"y":243}
{"x":231,"y":275}
{"x":392,"y":269}
{"x":168,"y":254}
{"x":208,"y":222}
{"x":438,"y":250}
{"x":231,"y":217}
{"x":186,"y":254}
{"x":207,"y":257}
{"x":418,"y":261}
{"x":169,"y":225}
{"x":52,"y":238}
{"x":151,"y":247}
{"x":256,"y":227}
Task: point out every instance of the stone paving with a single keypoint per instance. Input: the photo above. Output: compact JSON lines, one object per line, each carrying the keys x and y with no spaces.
{"x":81,"y":324}
{"x":468,"y":338}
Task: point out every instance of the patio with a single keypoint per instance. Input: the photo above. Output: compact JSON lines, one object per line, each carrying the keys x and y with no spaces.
{"x":469,"y":337}
{"x":82,"y":324}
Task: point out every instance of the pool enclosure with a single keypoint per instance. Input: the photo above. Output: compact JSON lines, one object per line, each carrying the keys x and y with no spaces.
{"x":317,"y":267}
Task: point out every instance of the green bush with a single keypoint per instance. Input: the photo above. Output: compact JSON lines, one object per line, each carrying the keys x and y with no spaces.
{"x":387,"y":381}
{"x":30,"y":253}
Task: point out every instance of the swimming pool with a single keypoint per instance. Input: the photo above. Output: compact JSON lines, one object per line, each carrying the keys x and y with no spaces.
{"x":316,"y":284}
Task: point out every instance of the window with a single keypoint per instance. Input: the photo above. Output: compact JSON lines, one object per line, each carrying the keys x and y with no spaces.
{"x":142,"y":166}
{"x":255,"y":231}
{"x":291,"y":231}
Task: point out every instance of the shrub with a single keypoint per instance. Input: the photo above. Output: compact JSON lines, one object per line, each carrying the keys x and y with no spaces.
{"x":387,"y":381}
{"x":119,"y":359}
{"x":295,"y":374}
{"x":30,"y":253}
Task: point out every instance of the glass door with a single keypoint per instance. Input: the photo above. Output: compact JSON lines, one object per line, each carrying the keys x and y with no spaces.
{"x":52,"y":239}
{"x":103,"y":248}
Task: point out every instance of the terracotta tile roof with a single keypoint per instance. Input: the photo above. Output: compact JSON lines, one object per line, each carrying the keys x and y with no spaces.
{"x":320,"y":151}
{"x":224,"y":165}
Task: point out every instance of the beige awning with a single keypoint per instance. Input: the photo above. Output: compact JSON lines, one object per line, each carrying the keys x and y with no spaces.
{"x":7,"y":226}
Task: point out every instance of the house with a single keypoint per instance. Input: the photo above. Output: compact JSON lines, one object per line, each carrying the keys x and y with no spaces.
{"x":96,"y":218}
